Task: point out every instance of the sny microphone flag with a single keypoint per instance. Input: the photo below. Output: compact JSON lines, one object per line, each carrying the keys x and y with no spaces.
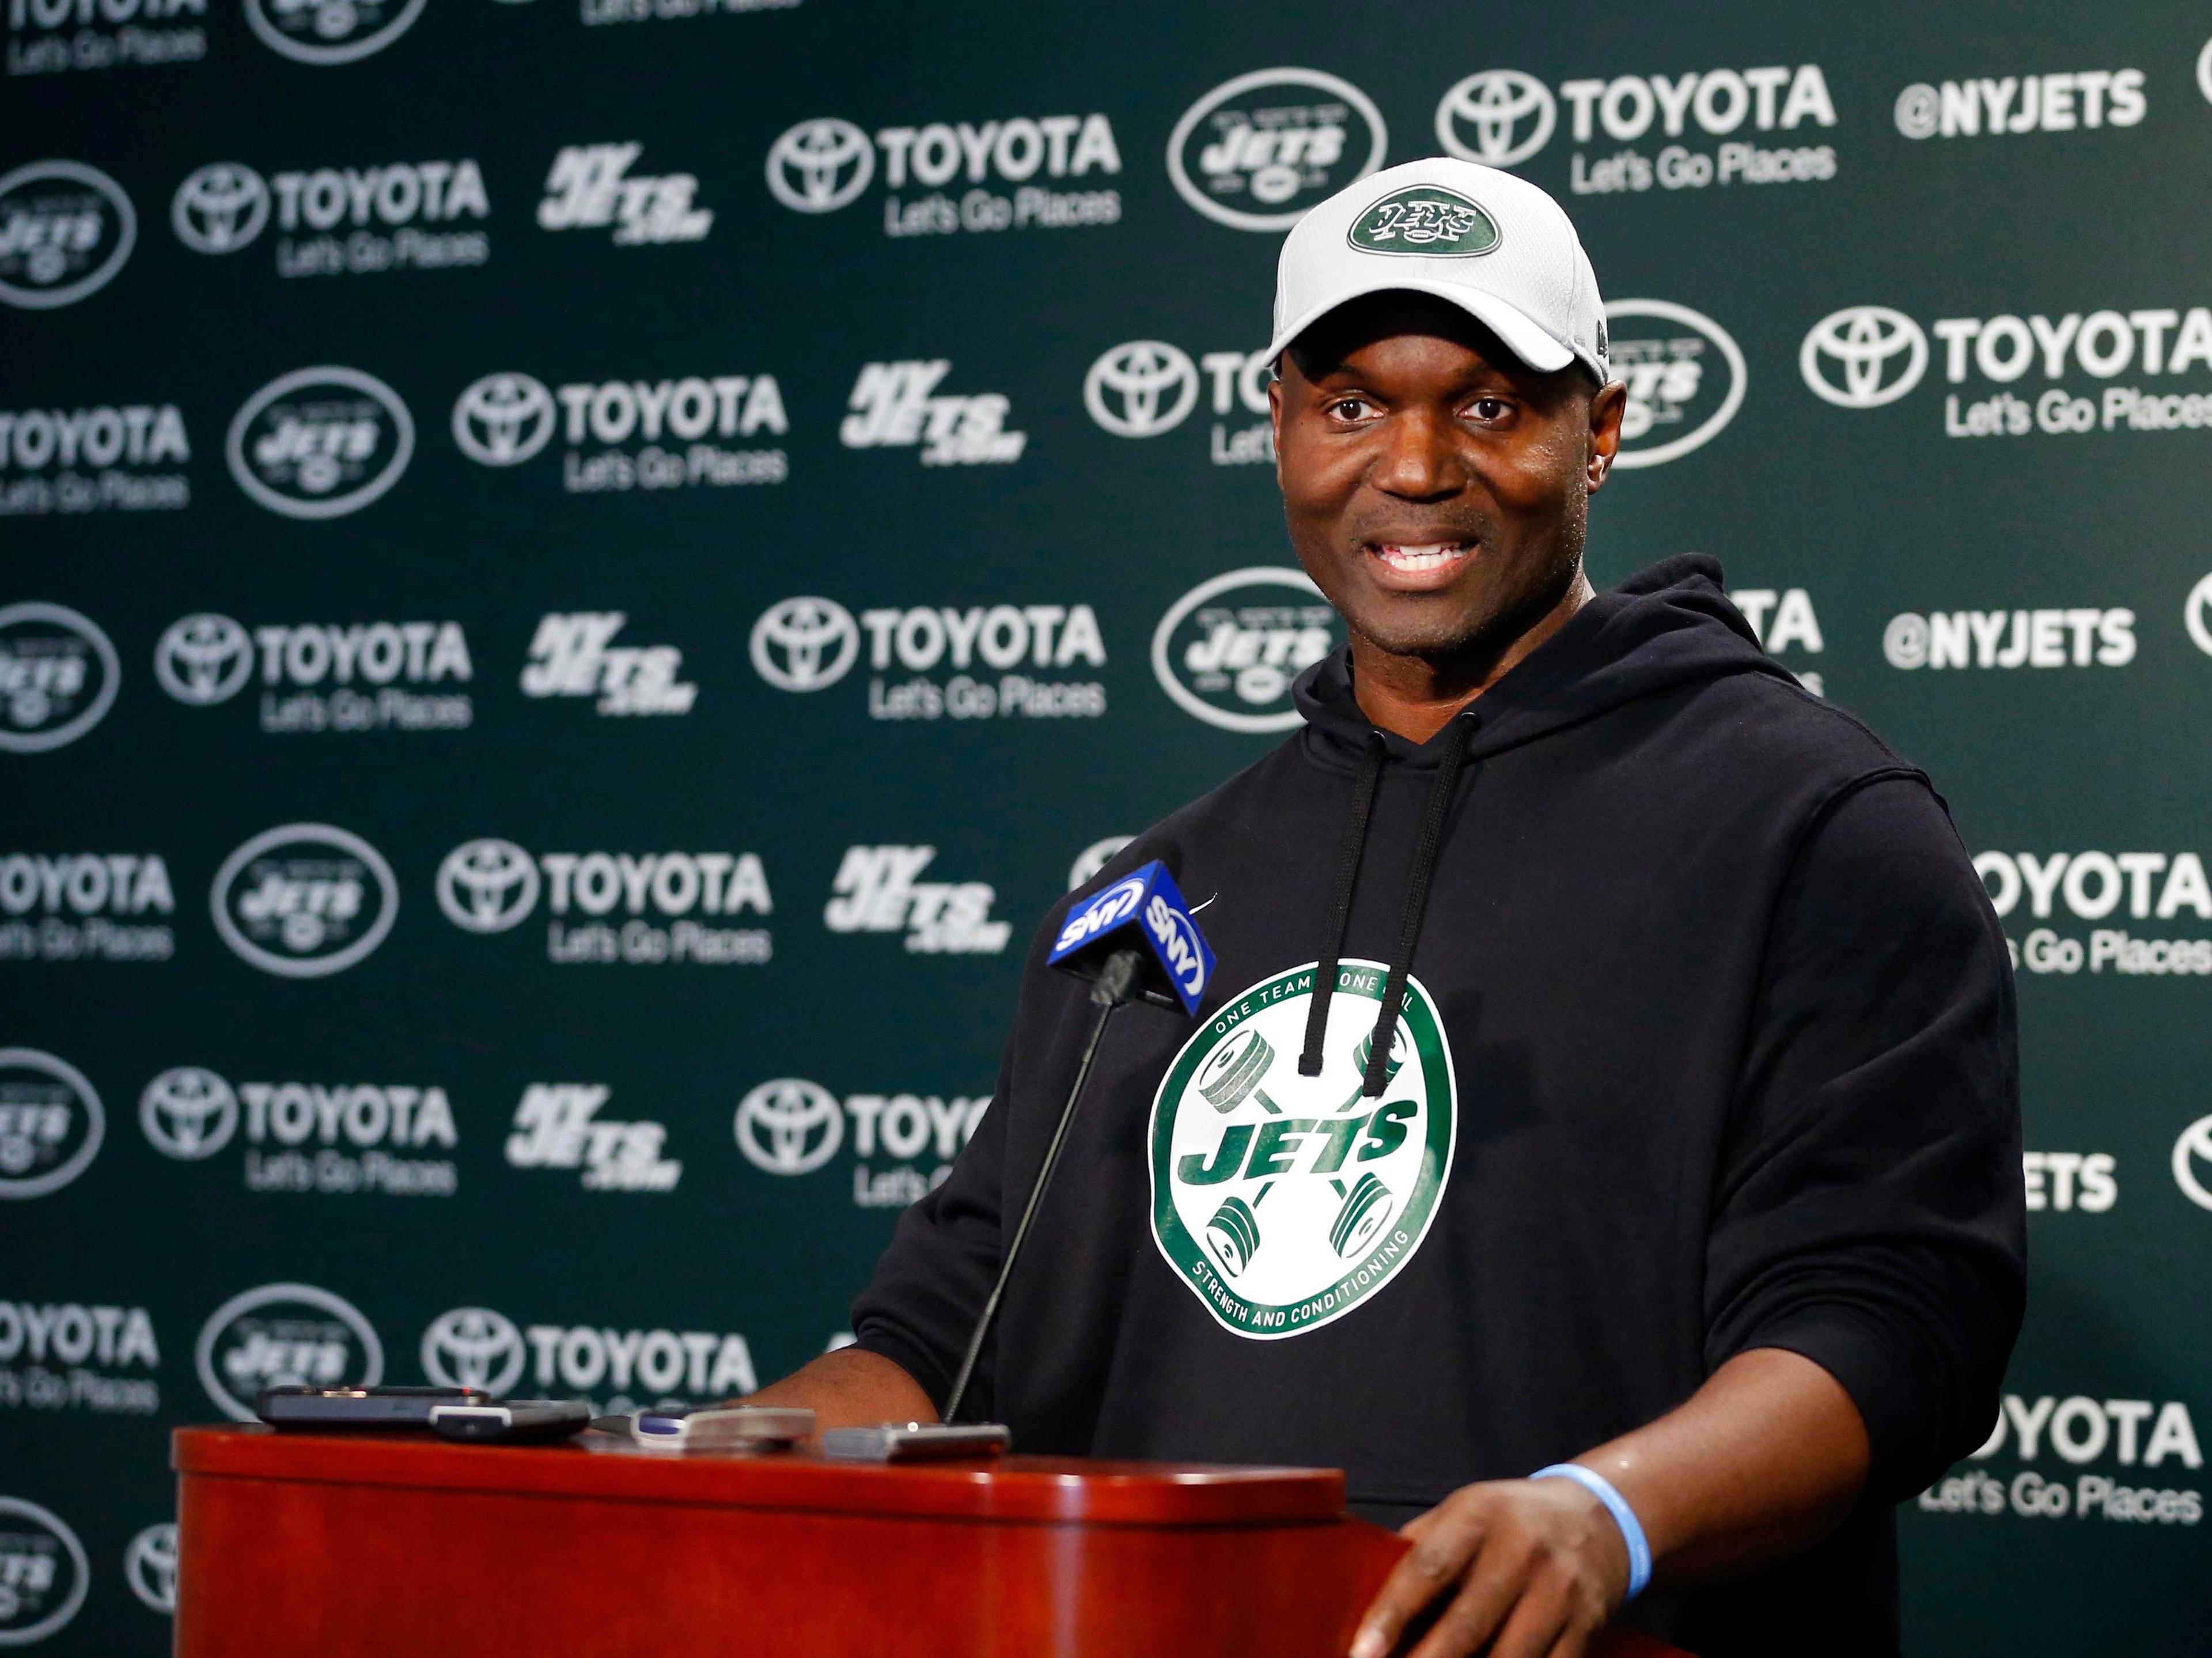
{"x":1144,"y":911}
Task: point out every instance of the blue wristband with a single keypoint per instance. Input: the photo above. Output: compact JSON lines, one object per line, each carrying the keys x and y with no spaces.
{"x":1631,"y":1530}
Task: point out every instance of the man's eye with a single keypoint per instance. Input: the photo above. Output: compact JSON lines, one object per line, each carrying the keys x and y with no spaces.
{"x":1351,"y":408}
{"x":1489,"y":409}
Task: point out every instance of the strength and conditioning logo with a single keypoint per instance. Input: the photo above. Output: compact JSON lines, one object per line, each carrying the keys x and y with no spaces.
{"x":58,"y":675}
{"x":1284,"y":1201}
{"x":44,"y":1574}
{"x":50,"y":1123}
{"x":1257,"y":151}
{"x":303,"y":901}
{"x":319,"y":443}
{"x":285,"y":1335}
{"x":1229,"y":650}
{"x":826,"y":163}
{"x":1685,"y":375}
{"x":328,"y":32}
{"x":65,"y":230}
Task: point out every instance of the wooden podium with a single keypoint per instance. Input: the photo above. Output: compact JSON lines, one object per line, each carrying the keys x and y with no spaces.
{"x":407,"y":1546}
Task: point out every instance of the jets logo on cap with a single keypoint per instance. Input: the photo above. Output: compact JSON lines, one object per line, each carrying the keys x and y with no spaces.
{"x":1427,"y":220}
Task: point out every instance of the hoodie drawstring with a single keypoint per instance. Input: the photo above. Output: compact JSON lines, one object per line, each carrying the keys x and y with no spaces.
{"x":1348,"y":875}
{"x":1450,"y":760}
{"x":1448,"y":763}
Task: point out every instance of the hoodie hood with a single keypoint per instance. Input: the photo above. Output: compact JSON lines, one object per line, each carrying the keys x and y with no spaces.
{"x":1668,"y":625}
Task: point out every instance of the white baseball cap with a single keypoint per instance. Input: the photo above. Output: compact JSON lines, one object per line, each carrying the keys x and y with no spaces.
{"x":1497,"y":247}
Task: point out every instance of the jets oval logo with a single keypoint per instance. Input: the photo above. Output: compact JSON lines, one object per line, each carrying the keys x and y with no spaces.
{"x":44,"y":1573}
{"x":58,"y":674}
{"x":327,"y":31}
{"x":1685,"y":376}
{"x":1283,"y":1202}
{"x":304,"y":900}
{"x":285,"y":1335}
{"x":1228,"y":650}
{"x":50,"y":1123}
{"x":65,"y":230}
{"x":1256,"y":152}
{"x":320,"y":443}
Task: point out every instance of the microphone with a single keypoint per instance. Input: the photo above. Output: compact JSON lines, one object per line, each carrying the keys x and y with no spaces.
{"x":1142,"y":911}
{"x":1134,"y":940}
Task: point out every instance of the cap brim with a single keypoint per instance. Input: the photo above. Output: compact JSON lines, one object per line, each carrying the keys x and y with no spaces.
{"x":1520,"y":336}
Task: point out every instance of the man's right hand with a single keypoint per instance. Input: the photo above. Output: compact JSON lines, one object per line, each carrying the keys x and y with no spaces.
{"x":849,"y":1389}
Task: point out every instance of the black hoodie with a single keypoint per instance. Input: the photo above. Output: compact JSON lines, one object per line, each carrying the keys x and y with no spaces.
{"x":1703,"y":1041}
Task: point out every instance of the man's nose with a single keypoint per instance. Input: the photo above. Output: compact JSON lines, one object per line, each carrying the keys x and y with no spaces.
{"x":1420,"y":461}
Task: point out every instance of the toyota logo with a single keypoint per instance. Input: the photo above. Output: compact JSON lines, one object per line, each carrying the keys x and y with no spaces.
{"x":805,"y":165}
{"x":805,"y":644}
{"x":778,"y":1123}
{"x":150,"y":1565}
{"x":503,"y":420}
{"x":204,"y":660}
{"x":473,"y":1347}
{"x":1480,"y":119}
{"x":2196,"y":615}
{"x":488,"y":885}
{"x":188,"y":1112}
{"x":1153,"y":386}
{"x":2194,"y":1146}
{"x":220,"y":208}
{"x":1864,"y":340}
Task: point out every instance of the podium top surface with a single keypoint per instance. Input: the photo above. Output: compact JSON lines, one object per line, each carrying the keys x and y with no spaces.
{"x":1037,"y":1488}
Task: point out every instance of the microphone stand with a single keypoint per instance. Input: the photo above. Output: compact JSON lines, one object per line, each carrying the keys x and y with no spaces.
{"x":1115,"y":984}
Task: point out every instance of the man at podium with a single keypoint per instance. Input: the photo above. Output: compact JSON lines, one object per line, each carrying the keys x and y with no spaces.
{"x":1600,"y":1134}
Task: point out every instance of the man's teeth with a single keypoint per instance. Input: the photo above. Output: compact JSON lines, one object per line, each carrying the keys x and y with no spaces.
{"x":1421,"y":558}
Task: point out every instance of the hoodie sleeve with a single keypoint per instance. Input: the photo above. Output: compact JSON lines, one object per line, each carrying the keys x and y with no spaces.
{"x":1869,"y":1211}
{"x":930,"y":1286}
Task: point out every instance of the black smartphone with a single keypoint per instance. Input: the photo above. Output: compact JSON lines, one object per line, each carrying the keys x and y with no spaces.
{"x":358,"y":1407}
{"x":517,"y":1422}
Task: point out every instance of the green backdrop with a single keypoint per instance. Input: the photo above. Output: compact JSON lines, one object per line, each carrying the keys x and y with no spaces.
{"x":575,"y":578}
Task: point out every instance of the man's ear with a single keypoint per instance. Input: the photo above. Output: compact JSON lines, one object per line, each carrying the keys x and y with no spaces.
{"x":1275,"y":422}
{"x":1607,"y":406}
